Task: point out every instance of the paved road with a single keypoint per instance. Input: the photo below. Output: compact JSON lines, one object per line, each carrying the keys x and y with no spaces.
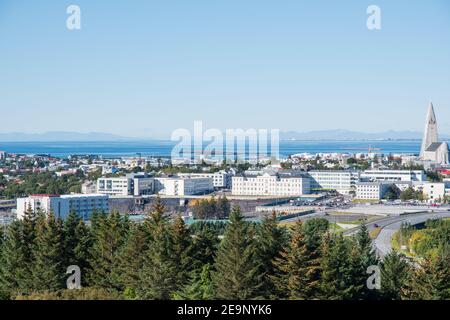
{"x":383,"y":241}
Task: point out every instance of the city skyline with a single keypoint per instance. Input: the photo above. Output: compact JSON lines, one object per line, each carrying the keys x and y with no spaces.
{"x":152,"y":68}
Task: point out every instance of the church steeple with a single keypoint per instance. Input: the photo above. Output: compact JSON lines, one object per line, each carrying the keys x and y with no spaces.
{"x":431,"y":132}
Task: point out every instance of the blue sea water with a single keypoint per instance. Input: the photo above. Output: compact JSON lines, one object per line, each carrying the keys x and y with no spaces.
{"x":164,"y":148}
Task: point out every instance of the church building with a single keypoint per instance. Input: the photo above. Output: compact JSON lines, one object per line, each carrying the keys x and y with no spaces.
{"x":432,"y":149}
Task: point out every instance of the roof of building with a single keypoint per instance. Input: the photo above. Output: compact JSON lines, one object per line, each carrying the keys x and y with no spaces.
{"x":434,"y":146}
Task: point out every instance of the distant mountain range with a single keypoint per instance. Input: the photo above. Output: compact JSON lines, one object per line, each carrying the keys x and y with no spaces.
{"x":353,"y":135}
{"x":284,"y":135}
{"x":61,"y":136}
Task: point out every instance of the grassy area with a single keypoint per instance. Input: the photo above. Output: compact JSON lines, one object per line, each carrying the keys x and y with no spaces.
{"x":375,"y":232}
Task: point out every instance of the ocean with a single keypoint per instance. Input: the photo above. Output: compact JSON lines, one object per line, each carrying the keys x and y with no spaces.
{"x":163,"y":148}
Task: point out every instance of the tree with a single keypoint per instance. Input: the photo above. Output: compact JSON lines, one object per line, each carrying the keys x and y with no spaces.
{"x":203,"y":247}
{"x":270,"y":239}
{"x":14,"y":271}
{"x":48,"y":271}
{"x":130,"y":260}
{"x":337,"y":272}
{"x":70,"y":239}
{"x":237,"y":273}
{"x":200,"y":287}
{"x":181,"y":242}
{"x":159,"y":273}
{"x":298,"y":268}
{"x":431,"y":281}
{"x":108,"y":237}
{"x":363,"y":256}
{"x":394,"y":275}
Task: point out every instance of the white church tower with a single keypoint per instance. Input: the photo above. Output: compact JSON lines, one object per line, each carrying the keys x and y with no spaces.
{"x":431,"y":132}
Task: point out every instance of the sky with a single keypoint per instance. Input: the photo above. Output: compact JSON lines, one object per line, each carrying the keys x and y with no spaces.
{"x":144,"y":68}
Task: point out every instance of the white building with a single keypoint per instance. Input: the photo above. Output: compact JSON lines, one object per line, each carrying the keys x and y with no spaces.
{"x":132,"y":184}
{"x":221,"y":179}
{"x":2,"y":155}
{"x":183,"y":186}
{"x":433,"y":191}
{"x":371,"y":190}
{"x":277,"y":185}
{"x":393,"y":175}
{"x":342,"y":181}
{"x":61,"y":206}
{"x":432,"y":149}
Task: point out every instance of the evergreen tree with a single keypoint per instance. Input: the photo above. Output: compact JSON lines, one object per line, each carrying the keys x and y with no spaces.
{"x":363,"y":256}
{"x":394,"y":275}
{"x":159,"y":273}
{"x":108,"y":237}
{"x":181,"y":243}
{"x":431,"y":280}
{"x":130,"y":260}
{"x":337,"y":270}
{"x":203,"y":247}
{"x":48,"y":272}
{"x":200,"y":287}
{"x":237,"y":272}
{"x":82,"y":250}
{"x":271,"y":239}
{"x":70,"y":239}
{"x":14,"y":270}
{"x":298,"y":268}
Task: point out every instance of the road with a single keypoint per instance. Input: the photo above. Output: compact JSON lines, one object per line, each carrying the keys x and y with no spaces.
{"x":391,"y":225}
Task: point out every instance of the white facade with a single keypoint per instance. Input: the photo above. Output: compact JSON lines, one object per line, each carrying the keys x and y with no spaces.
{"x":2,"y":155}
{"x":221,"y":179}
{"x":342,"y":181}
{"x":393,"y":175}
{"x":433,"y":191}
{"x":183,"y":186}
{"x":120,"y":186}
{"x":271,"y":185}
{"x":371,"y":190}
{"x":132,"y":184}
{"x":61,"y":206}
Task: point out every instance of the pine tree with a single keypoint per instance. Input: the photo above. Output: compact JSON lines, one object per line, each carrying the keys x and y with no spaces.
{"x":298,"y":269}
{"x":130,"y":260}
{"x":83,"y":249}
{"x":237,"y":272}
{"x":70,"y":239}
{"x":108,"y":237}
{"x":159,"y":273}
{"x":203,"y":247}
{"x":394,"y":275}
{"x":431,"y":280}
{"x":271,"y":239}
{"x":363,"y":256}
{"x":181,"y":242}
{"x":13,"y":263}
{"x":200,"y":287}
{"x":337,"y":271}
{"x":48,"y":272}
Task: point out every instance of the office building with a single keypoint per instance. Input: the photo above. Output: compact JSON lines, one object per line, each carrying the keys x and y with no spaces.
{"x":342,"y":181}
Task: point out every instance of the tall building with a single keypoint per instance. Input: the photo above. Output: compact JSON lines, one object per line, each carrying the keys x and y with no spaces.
{"x":61,"y":206}
{"x":432,"y":149}
{"x":271,"y":185}
{"x":342,"y":181}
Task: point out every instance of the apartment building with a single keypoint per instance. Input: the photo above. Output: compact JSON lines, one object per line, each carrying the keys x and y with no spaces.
{"x":61,"y":206}
{"x":433,"y":191}
{"x":393,"y":175}
{"x":132,"y":184}
{"x":372,"y":190}
{"x":342,"y":181}
{"x":221,"y":179}
{"x":276,"y":185}
{"x":183,"y":186}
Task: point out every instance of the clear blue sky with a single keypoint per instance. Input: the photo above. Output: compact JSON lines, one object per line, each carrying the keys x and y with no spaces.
{"x":145,"y":68}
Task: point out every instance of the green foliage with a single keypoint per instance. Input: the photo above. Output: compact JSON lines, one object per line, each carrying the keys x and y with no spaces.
{"x":212,"y":209}
{"x":298,"y":269}
{"x":394,"y":275}
{"x":200,"y":287}
{"x":237,"y":274}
